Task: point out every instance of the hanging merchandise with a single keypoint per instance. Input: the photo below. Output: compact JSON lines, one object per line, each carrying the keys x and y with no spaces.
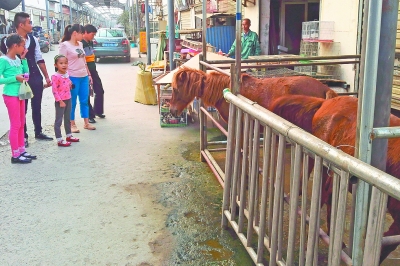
{"x":143,"y":8}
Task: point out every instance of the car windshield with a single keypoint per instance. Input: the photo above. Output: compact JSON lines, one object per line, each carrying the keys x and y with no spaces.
{"x":110,"y":33}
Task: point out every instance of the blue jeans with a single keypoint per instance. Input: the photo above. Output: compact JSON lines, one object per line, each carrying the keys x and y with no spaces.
{"x":81,"y":90}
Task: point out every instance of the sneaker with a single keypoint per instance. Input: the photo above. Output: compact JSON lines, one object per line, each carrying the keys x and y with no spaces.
{"x":89,"y":127}
{"x":63,"y":143}
{"x":74,"y":129}
{"x":101,"y":116}
{"x":20,"y":159}
{"x":72,"y":139}
{"x":92,"y":121}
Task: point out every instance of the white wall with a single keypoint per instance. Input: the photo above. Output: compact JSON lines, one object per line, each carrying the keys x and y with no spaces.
{"x":264,"y":18}
{"x":252,"y":13}
{"x":345,"y":15}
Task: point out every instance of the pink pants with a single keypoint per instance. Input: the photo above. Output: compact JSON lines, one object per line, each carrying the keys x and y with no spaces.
{"x":16,"y":113}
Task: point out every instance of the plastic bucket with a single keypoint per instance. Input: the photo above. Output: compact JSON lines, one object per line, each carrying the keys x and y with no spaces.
{"x":133,"y":45}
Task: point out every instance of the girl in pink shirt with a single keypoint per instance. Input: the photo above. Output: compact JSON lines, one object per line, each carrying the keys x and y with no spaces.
{"x":62,"y":85}
{"x":71,"y":47}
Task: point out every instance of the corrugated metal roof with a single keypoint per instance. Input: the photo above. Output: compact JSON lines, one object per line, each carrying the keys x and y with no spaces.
{"x":221,"y":37}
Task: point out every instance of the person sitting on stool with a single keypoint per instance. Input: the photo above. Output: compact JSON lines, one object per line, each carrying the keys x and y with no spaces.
{"x":250,"y":43}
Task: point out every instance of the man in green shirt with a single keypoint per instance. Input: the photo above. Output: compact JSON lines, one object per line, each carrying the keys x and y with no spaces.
{"x":250,"y":43}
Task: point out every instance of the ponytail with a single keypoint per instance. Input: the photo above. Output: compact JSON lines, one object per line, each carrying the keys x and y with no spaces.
{"x":3,"y":47}
{"x":8,"y":41}
{"x":67,"y":34}
{"x":70,"y":29}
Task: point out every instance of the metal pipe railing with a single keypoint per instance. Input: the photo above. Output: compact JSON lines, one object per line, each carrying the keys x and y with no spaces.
{"x":383,"y":181}
{"x":215,"y":68}
{"x":285,"y":59}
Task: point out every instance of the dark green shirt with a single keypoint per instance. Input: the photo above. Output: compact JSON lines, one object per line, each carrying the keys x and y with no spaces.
{"x":250,"y":45}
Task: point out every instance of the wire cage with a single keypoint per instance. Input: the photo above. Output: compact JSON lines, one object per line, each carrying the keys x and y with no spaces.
{"x":318,"y":30}
{"x":318,"y":49}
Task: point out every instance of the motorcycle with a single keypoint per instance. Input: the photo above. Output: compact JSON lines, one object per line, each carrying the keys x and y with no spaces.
{"x":44,"y":44}
{"x":44,"y":41}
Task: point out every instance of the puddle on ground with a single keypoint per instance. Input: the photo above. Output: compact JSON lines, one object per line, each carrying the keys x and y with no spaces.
{"x":195,"y":219}
{"x":196,"y":199}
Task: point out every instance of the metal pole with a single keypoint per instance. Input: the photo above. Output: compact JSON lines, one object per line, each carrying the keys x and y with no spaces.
{"x":47,"y":15}
{"x":70,"y":12}
{"x":138,"y":26}
{"x":365,"y":124}
{"x":132,"y":11}
{"x":148,"y":32}
{"x":62,"y":19}
{"x":171,"y":34}
{"x":238,"y":51}
{"x":23,"y":6}
{"x":204,"y":23}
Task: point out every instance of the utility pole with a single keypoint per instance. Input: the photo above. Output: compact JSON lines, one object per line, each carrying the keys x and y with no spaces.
{"x":148,"y":32}
{"x":70,"y":12}
{"x":23,"y":6}
{"x":62,"y":19}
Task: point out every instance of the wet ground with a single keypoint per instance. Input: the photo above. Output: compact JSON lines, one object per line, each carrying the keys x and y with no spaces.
{"x":195,"y":219}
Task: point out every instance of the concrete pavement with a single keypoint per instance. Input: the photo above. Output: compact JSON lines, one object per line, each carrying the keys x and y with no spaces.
{"x":93,"y":203}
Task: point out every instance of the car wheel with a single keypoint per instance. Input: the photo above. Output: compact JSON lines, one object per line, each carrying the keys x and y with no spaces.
{"x":45,"y":50}
{"x":127,"y":59}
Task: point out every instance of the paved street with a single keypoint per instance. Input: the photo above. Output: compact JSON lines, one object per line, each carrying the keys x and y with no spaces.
{"x":94,"y":203}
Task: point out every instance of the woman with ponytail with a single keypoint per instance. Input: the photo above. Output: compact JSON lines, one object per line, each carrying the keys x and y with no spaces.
{"x":72,"y":48}
{"x":12,"y":70}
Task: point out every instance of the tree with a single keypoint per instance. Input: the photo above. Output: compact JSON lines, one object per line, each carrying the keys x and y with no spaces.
{"x":123,"y":19}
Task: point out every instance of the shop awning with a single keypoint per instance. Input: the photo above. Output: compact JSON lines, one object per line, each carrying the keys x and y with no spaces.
{"x":214,"y":15}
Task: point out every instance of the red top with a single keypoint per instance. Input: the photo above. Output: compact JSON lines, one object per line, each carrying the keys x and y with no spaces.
{"x":61,"y":86}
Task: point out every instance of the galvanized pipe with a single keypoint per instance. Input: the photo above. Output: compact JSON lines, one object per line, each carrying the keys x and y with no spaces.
{"x":221,"y":68}
{"x":48,"y":19}
{"x":365,"y":124}
{"x":203,"y":36}
{"x":271,"y":181}
{"x":390,"y":240}
{"x":294,"y":198}
{"x":238,"y":50}
{"x":366,"y":172}
{"x":237,"y":164}
{"x":146,"y":10}
{"x":214,"y":68}
{"x":376,"y":222}
{"x":314,"y":212}
{"x":62,"y":20}
{"x":303,"y":217}
{"x":228,"y":163}
{"x":215,"y":165}
{"x":277,"y":202}
{"x":215,"y":122}
{"x":334,"y":214}
{"x":286,"y":59}
{"x":70,"y":12}
{"x":138,"y":26}
{"x":216,"y":173}
{"x":340,"y":221}
{"x":264,"y":192}
{"x":385,"y":132}
{"x":253,"y":180}
{"x":243,"y":176}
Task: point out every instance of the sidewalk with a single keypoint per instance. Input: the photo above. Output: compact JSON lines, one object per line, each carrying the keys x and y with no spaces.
{"x":93,"y":202}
